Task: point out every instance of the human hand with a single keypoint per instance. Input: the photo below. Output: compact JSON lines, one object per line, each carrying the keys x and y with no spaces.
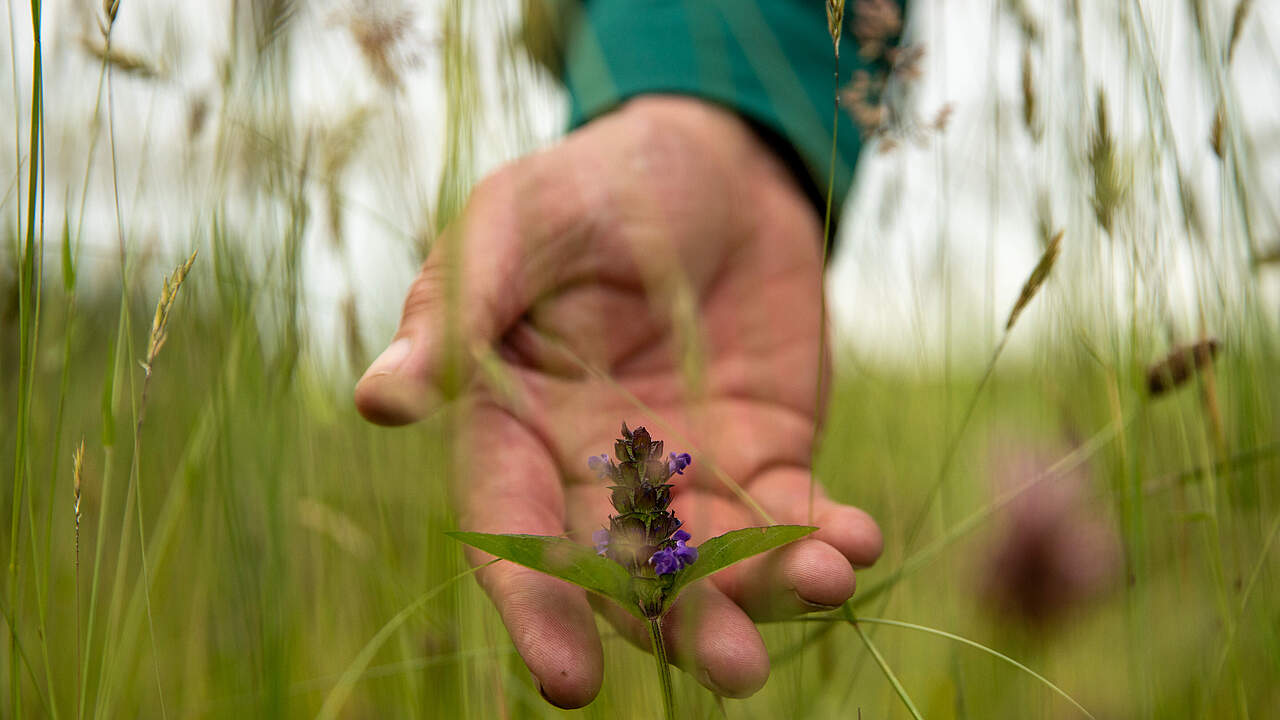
{"x":665,"y":245}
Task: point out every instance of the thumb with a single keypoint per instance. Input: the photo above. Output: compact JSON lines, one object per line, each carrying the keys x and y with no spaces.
{"x":516,"y":240}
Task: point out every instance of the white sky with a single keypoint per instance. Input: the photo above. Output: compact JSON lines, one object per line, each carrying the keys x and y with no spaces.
{"x":939,"y":232}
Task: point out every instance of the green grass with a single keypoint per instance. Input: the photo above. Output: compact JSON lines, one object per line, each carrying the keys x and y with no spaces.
{"x":296,"y":554}
{"x":250,"y":547}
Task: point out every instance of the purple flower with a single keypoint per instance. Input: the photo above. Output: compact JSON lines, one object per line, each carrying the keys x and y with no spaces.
{"x":670,"y":560}
{"x":678,"y":462}
{"x":685,"y":554}
{"x":665,"y":562}
{"x":600,"y":464}
{"x":600,"y":539}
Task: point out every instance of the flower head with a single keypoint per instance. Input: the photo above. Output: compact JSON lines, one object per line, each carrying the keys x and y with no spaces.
{"x":644,"y":534}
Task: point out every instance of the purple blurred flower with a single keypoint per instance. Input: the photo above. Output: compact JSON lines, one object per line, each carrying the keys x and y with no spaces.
{"x":1056,"y":552}
{"x":678,"y":462}
{"x":600,"y":539}
{"x":600,"y":464}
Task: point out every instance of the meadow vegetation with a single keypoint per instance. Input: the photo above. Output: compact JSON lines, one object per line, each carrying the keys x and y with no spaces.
{"x":233,"y":540}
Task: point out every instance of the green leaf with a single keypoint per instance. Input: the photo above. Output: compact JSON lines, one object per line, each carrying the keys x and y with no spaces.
{"x":560,"y":558}
{"x":720,"y":552}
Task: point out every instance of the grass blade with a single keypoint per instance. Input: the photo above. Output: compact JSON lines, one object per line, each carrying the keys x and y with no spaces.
{"x":965,"y":641}
{"x":334,"y":701}
{"x":884,"y":666}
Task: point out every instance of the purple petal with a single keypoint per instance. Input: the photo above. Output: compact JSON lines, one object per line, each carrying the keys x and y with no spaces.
{"x":600,"y":539}
{"x":685,"y":554}
{"x":677,"y":462}
{"x":665,"y":562}
{"x":600,"y":464}
{"x":681,"y":536}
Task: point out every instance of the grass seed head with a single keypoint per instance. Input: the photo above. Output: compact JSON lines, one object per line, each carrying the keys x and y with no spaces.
{"x":110,"y":8}
{"x":77,"y":467}
{"x":1237,"y":25}
{"x":1035,"y":279}
{"x":1215,"y":132}
{"x":835,"y":22}
{"x":1029,"y":95}
{"x":122,"y":60}
{"x":1109,"y":188}
{"x":160,"y":323}
{"x":1179,"y":365}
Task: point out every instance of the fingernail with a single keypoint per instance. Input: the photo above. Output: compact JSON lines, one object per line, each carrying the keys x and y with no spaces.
{"x":704,"y":676}
{"x":543,"y":692}
{"x":390,"y":359}
{"x":813,"y":606}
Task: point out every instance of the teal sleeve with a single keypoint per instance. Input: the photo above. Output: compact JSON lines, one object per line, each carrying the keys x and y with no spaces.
{"x":769,"y":60}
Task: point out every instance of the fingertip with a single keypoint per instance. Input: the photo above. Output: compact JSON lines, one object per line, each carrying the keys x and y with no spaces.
{"x":392,"y":401}
{"x":820,"y":574}
{"x":853,"y":532}
{"x":715,"y":641}
{"x":553,"y":629}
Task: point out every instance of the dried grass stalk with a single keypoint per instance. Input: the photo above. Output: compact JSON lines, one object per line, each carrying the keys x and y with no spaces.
{"x":77,"y":467}
{"x":110,"y":8}
{"x":1269,"y":257}
{"x":121,"y":60}
{"x":1177,"y":367}
{"x":1036,"y":279}
{"x":1029,"y":95}
{"x":835,"y":22}
{"x":1109,"y":188}
{"x":1215,"y":133}
{"x":160,"y":324}
{"x":1237,"y":25}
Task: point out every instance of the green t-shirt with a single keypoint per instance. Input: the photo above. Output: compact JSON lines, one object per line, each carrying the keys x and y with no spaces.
{"x":770,"y":60}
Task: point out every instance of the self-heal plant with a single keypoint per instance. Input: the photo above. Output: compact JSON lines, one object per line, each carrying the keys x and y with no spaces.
{"x":644,"y":536}
{"x":643,"y":559}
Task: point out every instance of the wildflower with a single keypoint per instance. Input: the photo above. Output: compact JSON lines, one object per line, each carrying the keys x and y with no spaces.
{"x":678,"y":462}
{"x":643,"y":535}
{"x":600,"y":464}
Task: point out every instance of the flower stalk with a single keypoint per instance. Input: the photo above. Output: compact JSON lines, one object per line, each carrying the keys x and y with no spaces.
{"x":664,"y":670}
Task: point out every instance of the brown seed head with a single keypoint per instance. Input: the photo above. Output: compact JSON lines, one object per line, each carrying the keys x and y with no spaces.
{"x":1177,"y":367}
{"x":1215,"y":133}
{"x":1035,"y":279}
{"x":1237,"y":25}
{"x":835,"y":22}
{"x":1029,"y":95}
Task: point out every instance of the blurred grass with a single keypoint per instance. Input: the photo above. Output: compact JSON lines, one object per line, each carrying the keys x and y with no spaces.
{"x":281,"y":534}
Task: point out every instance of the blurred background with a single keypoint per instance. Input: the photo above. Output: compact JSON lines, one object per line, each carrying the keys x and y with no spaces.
{"x":1091,"y":491}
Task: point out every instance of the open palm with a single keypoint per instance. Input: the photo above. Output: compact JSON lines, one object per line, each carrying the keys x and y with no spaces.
{"x":659,"y":267}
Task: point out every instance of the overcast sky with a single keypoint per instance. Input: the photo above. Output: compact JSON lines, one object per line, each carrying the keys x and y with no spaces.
{"x":940,"y":231}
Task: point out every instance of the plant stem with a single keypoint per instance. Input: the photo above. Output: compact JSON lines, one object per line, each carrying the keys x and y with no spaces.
{"x":664,"y":670}
{"x":822,"y":297}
